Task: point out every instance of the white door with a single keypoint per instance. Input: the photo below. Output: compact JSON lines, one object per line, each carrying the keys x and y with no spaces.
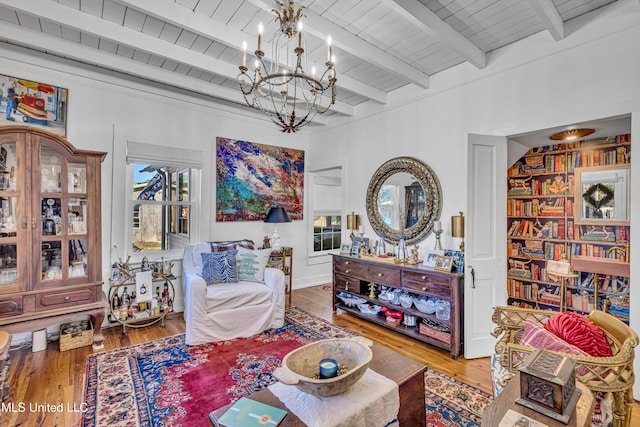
{"x":485,"y":248}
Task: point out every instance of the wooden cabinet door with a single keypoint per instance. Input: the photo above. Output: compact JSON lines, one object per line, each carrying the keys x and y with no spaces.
{"x":62,"y":208}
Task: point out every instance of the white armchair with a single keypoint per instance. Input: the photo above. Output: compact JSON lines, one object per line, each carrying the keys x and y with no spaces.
{"x":225,"y":311}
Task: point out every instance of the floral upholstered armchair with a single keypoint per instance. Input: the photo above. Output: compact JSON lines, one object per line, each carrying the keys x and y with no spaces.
{"x":607,"y":377}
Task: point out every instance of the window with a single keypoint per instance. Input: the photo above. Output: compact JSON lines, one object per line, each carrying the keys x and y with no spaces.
{"x":160,"y":207}
{"x":327,"y":232}
{"x":162,"y":198}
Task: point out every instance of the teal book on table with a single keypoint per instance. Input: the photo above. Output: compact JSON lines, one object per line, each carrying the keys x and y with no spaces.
{"x":249,"y":413}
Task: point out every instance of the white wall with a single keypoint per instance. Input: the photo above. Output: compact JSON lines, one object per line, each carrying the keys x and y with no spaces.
{"x":535,"y":84}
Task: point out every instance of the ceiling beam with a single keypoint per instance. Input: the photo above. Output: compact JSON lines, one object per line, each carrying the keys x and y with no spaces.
{"x":424,"y":18}
{"x":548,"y":14}
{"x":202,"y":25}
{"x":321,"y":28}
{"x":99,"y":27}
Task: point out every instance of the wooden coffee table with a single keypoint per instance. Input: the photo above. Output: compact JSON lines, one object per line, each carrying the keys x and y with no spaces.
{"x":581,"y":416}
{"x":407,"y":373}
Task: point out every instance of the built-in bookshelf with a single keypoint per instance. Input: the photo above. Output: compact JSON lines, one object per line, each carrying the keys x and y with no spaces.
{"x":541,"y":227}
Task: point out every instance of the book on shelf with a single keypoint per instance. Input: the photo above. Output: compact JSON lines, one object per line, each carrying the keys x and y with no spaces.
{"x":250,"y":413}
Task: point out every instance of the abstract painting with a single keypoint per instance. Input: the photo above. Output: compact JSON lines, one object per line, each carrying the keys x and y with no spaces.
{"x":33,"y":104}
{"x":253,"y":177}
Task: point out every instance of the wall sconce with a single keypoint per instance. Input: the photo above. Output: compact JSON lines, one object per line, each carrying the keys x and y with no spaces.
{"x":457,"y":228}
{"x":353,"y":222}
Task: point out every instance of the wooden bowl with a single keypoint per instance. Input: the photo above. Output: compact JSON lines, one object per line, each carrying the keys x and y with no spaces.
{"x":301,"y":365}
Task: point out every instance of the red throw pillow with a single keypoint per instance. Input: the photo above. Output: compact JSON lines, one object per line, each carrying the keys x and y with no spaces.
{"x":581,"y":332}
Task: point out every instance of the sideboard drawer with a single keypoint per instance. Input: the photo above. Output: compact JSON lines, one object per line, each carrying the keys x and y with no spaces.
{"x":346,"y":283}
{"x":382,"y":275}
{"x":348,"y":266}
{"x":53,"y":300}
{"x":426,"y":282}
{"x":11,"y":306}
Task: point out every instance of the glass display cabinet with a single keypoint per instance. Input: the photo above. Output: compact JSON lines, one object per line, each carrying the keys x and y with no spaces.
{"x":50,"y":228}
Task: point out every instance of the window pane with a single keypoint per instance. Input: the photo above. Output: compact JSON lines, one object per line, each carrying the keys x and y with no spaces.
{"x":148,"y":235}
{"x":327,"y":232}
{"x":149,"y":182}
{"x":183,"y":186}
{"x":183,"y":224}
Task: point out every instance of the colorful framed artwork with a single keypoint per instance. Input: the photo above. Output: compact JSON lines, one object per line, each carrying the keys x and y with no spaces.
{"x":253,"y":177}
{"x":31,"y":103}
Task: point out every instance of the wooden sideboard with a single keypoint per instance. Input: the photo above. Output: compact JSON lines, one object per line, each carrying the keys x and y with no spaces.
{"x":353,"y":276}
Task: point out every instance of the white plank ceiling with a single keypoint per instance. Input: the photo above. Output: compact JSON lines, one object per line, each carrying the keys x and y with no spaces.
{"x":195,"y":45}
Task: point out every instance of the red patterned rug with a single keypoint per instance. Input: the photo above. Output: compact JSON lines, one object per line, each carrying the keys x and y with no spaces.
{"x":167,"y":383}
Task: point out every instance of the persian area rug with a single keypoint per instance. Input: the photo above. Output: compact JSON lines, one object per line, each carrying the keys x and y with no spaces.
{"x":168,"y":383}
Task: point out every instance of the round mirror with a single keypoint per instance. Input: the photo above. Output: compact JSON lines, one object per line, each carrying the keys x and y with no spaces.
{"x":404,"y":198}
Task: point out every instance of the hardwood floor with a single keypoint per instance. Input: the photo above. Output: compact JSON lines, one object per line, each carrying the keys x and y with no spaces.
{"x":51,"y":377}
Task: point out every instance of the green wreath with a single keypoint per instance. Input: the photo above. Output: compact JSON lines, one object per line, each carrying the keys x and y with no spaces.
{"x":598,"y":189}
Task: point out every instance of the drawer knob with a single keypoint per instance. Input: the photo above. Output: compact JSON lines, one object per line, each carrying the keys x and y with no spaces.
{"x":347,"y":262}
{"x":67,"y":298}
{"x":380,"y":274}
{"x":347,"y":271}
{"x":424,"y":277}
{"x":424,"y":288}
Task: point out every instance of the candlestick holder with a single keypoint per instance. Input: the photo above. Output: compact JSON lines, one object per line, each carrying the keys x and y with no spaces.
{"x":438,"y":243}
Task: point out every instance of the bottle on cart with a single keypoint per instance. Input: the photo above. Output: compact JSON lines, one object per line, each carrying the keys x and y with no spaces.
{"x":125,"y":299}
{"x":158,"y":293}
{"x":133,"y":298}
{"x":115,"y":307}
{"x":165,"y":291}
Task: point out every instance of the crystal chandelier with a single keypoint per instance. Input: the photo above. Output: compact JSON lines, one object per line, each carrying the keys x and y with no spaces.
{"x":281,"y":87}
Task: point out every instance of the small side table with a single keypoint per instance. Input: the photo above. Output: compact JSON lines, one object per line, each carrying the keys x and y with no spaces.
{"x":283,"y":260}
{"x":506,"y":400}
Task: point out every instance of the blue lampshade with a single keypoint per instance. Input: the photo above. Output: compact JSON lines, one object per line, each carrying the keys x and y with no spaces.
{"x":277,"y":214}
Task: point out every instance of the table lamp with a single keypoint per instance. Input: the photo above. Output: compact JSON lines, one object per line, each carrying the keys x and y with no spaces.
{"x":457,"y":228}
{"x":276,"y":215}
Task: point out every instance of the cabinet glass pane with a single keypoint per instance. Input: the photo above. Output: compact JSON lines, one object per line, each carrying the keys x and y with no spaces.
{"x":8,"y":212}
{"x":8,"y":264}
{"x":77,"y":258}
{"x":77,"y":178}
{"x":50,"y":169}
{"x":77,"y":214}
{"x":8,"y":166}
{"x":51,"y":216}
{"x":52,"y":260}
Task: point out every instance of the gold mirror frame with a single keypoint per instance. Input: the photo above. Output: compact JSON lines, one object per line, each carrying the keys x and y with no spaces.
{"x":433,"y":195}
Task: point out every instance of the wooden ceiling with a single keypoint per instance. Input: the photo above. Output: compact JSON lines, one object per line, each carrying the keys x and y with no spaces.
{"x":195,"y":45}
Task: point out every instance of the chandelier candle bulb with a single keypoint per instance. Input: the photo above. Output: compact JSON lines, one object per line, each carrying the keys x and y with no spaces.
{"x":260,"y":29}
{"x":244,"y":54}
{"x":300,"y":34}
{"x":329,"y":49}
